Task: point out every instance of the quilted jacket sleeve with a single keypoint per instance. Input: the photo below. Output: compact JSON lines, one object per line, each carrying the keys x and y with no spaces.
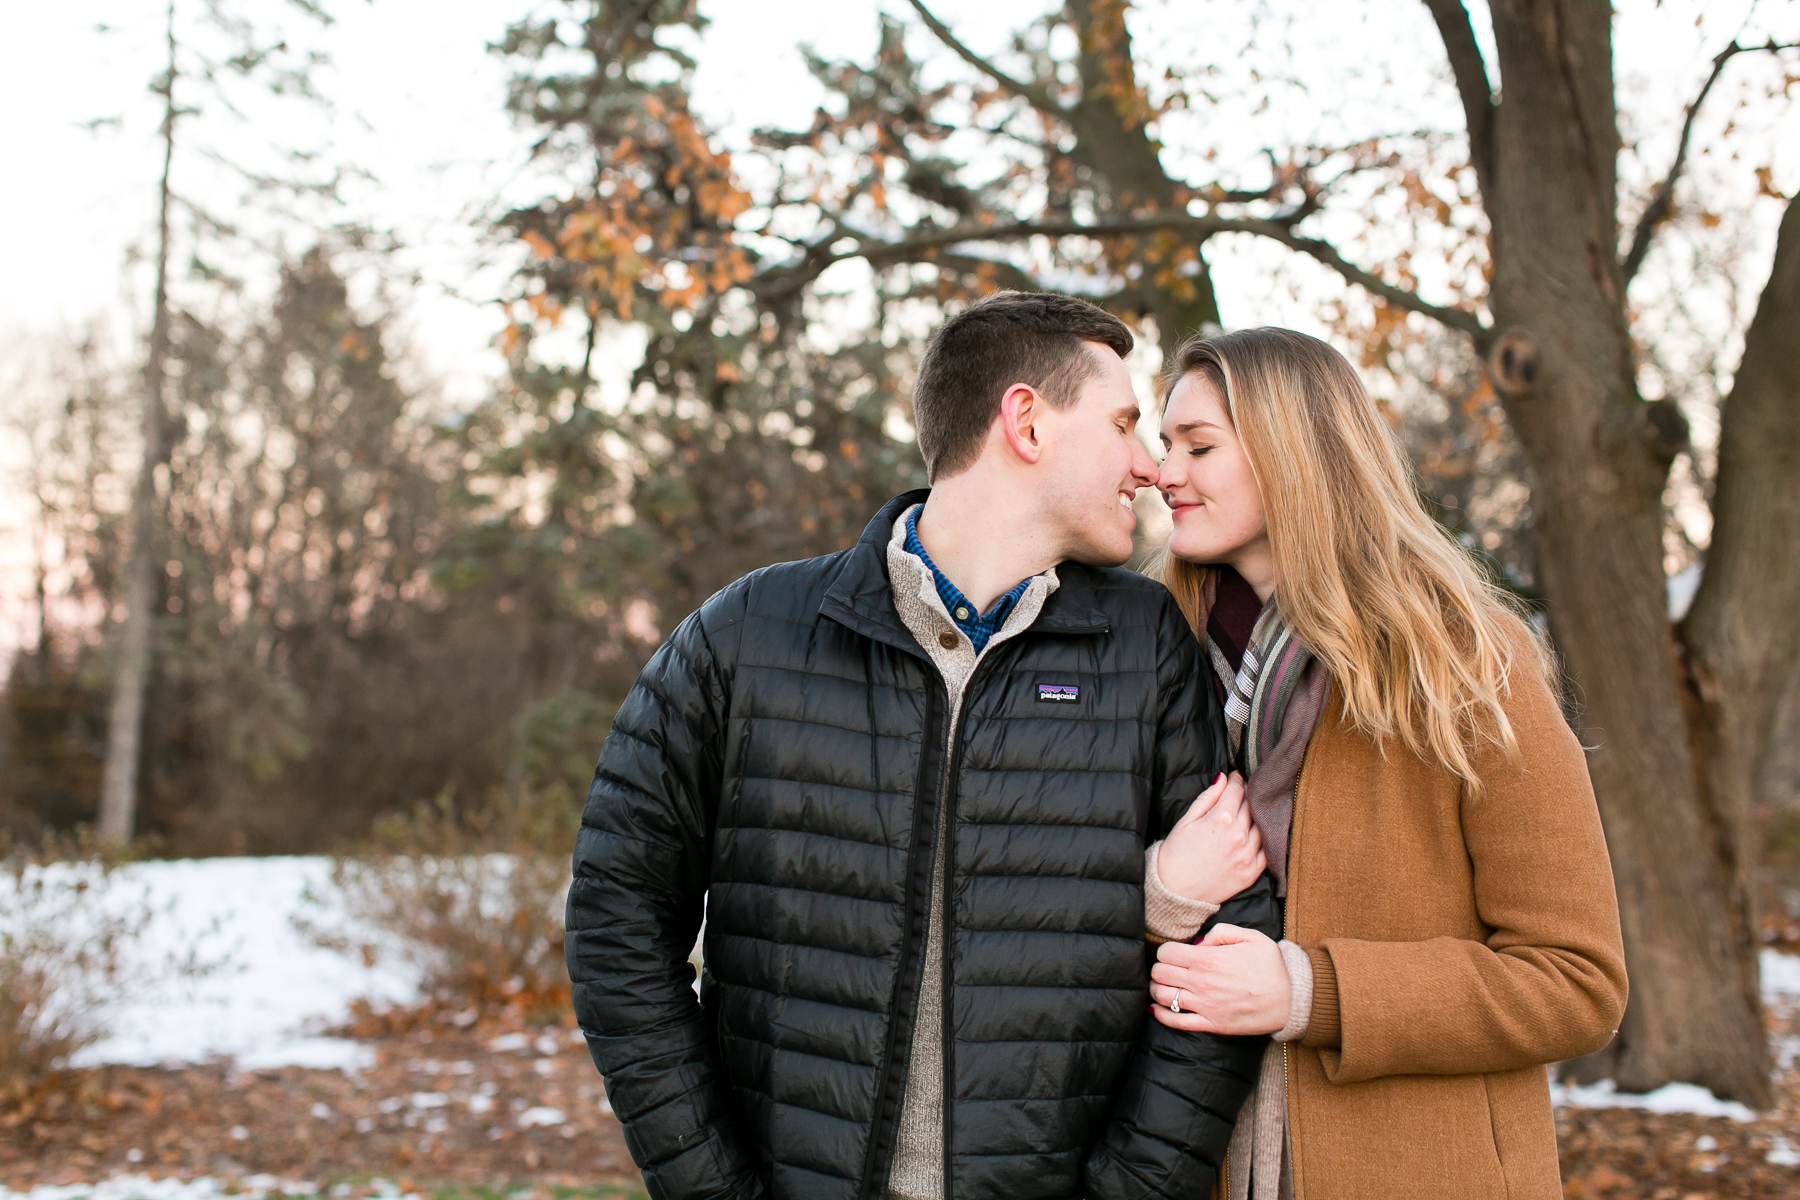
{"x":1174,"y":1114}
{"x":635,"y":906}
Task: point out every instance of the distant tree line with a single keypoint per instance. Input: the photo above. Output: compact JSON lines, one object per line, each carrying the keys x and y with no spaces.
{"x":310,"y":667}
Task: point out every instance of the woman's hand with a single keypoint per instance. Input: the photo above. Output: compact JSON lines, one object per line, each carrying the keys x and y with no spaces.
{"x":1234,"y":983}
{"x":1214,"y":851}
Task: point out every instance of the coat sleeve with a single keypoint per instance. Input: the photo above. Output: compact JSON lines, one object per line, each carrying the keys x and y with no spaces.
{"x":1174,"y":1114}
{"x":635,"y":907}
{"x":1548,"y":981}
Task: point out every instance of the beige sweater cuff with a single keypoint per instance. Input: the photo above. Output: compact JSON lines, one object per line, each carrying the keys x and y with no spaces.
{"x":1168,"y":917}
{"x":1300,"y":986}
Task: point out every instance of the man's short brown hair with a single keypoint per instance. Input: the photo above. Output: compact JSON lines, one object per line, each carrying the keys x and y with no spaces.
{"x":1008,"y":338}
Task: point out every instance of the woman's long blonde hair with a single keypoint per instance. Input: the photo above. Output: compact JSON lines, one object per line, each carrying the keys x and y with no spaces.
{"x":1416,"y":638}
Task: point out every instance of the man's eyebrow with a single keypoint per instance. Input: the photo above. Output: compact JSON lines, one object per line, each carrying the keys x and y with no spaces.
{"x":1134,"y":412}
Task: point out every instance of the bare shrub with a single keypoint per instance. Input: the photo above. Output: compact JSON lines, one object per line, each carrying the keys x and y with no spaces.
{"x":473,"y":896}
{"x":62,"y":928}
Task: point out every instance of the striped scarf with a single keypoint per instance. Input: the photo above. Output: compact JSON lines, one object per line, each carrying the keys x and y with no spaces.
{"x":1257,"y":693}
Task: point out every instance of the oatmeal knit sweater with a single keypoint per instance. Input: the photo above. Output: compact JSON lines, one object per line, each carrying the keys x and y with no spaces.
{"x":918,"y":1170}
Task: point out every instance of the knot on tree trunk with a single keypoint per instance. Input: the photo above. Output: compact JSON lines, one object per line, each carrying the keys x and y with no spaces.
{"x":1515,"y":362}
{"x":1665,"y":429}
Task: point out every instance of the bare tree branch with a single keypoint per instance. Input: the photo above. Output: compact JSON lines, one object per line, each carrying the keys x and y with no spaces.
{"x":1663,"y":199}
{"x":788,"y":278}
{"x":1037,"y":96}
{"x":1459,"y":319}
{"x":1006,"y":274}
{"x":1472,"y":85}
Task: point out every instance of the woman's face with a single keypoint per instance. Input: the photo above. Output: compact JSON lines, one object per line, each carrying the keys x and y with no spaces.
{"x":1210,"y":489}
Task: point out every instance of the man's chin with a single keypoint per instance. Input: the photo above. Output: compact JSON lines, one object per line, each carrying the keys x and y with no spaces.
{"x":1104,"y":555}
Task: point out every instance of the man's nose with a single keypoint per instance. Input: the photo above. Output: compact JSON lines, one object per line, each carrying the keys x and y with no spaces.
{"x":1143,"y":467}
{"x":1168,"y":475}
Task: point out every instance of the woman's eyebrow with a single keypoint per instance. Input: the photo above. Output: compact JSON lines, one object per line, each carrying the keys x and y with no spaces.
{"x":1187,"y":425}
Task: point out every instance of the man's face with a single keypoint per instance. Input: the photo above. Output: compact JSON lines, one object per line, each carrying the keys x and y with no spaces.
{"x":1093,"y":464}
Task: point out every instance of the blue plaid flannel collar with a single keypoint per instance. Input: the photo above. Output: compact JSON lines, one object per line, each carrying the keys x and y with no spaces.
{"x":978,"y":626}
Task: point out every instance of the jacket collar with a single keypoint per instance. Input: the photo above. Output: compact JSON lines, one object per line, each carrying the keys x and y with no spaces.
{"x":1074,"y":607}
{"x":862,"y":598}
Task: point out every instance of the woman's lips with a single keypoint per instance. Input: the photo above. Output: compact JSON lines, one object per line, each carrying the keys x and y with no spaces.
{"x":1175,"y":510}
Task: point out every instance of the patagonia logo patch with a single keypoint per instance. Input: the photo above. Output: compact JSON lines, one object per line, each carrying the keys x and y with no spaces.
{"x":1058,"y":693}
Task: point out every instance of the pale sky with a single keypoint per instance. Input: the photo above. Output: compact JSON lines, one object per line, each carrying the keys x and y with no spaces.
{"x":418,"y":102}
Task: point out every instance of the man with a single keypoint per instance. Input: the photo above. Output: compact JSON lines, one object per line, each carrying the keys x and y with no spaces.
{"x":913,"y":783}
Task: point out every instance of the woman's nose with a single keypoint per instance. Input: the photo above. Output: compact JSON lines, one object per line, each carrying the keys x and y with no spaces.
{"x":1169,"y":475}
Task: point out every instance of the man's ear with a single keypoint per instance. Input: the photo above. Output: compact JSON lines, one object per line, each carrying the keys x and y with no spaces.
{"x":1021,"y":409}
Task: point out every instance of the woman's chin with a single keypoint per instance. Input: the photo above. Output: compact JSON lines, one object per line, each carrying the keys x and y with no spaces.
{"x":1199,"y":555}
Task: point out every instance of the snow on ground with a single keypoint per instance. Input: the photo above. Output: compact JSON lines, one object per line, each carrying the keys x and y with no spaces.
{"x":1670,"y":1098}
{"x":1780,"y":977}
{"x":266,"y":987}
{"x":273,"y":988}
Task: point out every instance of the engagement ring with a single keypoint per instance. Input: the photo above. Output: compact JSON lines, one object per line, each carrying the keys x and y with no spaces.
{"x":1175,"y":1001}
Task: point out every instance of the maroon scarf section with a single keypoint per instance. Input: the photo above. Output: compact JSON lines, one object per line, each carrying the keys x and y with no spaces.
{"x":1232,"y":609}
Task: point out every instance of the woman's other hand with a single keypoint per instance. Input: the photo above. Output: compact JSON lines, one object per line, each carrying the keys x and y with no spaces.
{"x":1214,"y":851}
{"x":1233,"y":983}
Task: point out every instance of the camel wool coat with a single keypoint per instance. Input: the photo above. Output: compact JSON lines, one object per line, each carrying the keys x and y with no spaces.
{"x":1458,"y":943}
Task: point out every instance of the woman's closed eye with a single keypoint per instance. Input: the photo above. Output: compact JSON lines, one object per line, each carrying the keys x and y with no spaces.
{"x":1197,"y":451}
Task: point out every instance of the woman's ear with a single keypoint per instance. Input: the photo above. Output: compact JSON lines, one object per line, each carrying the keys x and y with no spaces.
{"x":1020,"y":411}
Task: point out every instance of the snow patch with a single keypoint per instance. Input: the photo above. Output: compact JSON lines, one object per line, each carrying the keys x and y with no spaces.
{"x":1787,"y":1049}
{"x":542,"y":1116}
{"x":1670,"y":1098}
{"x":313,"y":1053}
{"x":1780,"y":975}
{"x":273,"y":985}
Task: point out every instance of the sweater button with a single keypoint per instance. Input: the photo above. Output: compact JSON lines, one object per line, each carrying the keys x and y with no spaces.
{"x":947,"y":640}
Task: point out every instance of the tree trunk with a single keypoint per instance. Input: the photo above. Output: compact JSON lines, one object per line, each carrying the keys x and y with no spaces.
{"x":1600,"y":458}
{"x":125,"y":720}
{"x":1113,"y":140}
{"x":1778,"y":785}
{"x":1743,"y":633}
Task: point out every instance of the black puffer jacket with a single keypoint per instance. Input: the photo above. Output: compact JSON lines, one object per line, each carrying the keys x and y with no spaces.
{"x":784,"y":752}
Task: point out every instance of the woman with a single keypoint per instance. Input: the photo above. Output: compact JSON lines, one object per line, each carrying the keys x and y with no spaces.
{"x":1450,"y":921}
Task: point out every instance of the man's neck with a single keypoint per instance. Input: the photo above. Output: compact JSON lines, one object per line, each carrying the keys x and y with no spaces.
{"x":983,"y":540}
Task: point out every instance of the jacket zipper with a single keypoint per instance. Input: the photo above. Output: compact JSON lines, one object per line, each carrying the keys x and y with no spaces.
{"x":880,"y":1158}
{"x":881,"y":1140}
{"x":952,"y":764}
{"x":951,"y":760}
